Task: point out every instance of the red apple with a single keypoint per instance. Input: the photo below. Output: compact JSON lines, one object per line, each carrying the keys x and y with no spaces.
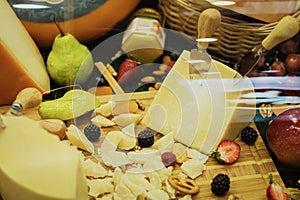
{"x":289,"y":46}
{"x":283,"y":137}
{"x":292,"y":63}
{"x":278,"y":67}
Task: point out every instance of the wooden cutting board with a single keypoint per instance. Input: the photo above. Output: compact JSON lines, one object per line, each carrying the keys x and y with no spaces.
{"x":249,"y":175}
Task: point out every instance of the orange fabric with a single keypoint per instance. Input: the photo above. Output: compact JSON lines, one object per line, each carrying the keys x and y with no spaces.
{"x":86,"y":28}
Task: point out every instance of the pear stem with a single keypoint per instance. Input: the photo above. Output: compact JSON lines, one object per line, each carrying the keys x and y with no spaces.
{"x":58,"y":26}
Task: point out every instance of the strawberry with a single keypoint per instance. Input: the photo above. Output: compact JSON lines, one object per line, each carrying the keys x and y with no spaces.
{"x":128,"y":70}
{"x":171,"y":63}
{"x":275,"y":191}
{"x":227,"y":152}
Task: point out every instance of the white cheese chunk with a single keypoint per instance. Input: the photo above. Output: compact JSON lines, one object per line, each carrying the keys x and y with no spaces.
{"x":193,"y":168}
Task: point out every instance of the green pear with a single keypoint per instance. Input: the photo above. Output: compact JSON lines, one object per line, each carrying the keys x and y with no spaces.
{"x":73,"y":104}
{"x":69,"y":62}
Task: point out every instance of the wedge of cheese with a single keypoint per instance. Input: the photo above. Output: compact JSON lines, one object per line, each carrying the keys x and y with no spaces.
{"x":21,"y":63}
{"x":78,"y":139}
{"x":200,"y":112}
{"x":36,"y":165}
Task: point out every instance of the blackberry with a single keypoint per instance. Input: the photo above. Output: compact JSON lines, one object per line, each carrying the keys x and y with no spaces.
{"x":220,"y":184}
{"x":249,"y":135}
{"x":92,"y":132}
{"x":146,"y":138}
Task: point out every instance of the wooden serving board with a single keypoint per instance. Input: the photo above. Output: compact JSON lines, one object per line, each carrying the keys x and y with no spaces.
{"x":249,"y":175}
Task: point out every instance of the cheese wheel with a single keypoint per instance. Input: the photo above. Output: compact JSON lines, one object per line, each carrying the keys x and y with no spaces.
{"x":21,"y":64}
{"x":36,"y":165}
{"x":85,"y":28}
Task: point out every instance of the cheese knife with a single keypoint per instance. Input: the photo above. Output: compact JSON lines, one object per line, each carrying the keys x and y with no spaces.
{"x":286,"y":28}
{"x":31,"y":98}
{"x":200,"y":61}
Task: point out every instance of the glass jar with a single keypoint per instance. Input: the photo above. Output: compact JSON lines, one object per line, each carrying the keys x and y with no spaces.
{"x":144,"y":38}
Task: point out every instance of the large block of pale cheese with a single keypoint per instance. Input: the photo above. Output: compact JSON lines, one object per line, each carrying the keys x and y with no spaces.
{"x":36,"y":165}
{"x":21,"y":64}
{"x":204,"y":111}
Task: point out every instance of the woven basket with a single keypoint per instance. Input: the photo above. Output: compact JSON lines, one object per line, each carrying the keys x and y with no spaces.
{"x":236,"y":35}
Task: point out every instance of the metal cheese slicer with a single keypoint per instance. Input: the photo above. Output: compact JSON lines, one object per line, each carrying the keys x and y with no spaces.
{"x":200,"y":61}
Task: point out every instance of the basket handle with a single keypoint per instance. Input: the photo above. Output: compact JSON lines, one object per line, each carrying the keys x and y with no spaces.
{"x":286,"y":28}
{"x":209,"y":20}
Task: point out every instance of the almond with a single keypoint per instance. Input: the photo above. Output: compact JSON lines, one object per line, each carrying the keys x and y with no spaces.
{"x":54,"y":126}
{"x":157,"y":85}
{"x":130,"y":106}
{"x":148,"y":79}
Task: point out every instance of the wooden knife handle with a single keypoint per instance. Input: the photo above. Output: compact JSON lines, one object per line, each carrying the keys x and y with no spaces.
{"x":209,"y":20}
{"x":286,"y":28}
{"x":29,"y":98}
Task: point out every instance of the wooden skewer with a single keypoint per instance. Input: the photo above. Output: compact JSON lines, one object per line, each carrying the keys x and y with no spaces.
{"x":110,"y":79}
{"x":113,"y":83}
{"x":111,"y":70}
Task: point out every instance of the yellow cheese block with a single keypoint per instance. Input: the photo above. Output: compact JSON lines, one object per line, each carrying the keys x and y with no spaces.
{"x":36,"y":165}
{"x":21,"y":63}
{"x":200,"y":112}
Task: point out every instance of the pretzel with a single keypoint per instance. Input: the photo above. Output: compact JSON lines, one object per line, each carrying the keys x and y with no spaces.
{"x":186,"y":186}
{"x":140,"y":104}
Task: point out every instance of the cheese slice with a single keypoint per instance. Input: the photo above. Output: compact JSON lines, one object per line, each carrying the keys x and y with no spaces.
{"x":21,"y":63}
{"x":193,"y":168}
{"x":78,"y":139}
{"x":36,"y":165}
{"x":125,"y":119}
{"x":100,"y":187}
{"x":129,"y":130}
{"x":101,"y":121}
{"x":164,"y":143}
{"x":143,"y":156}
{"x":93,"y":169}
{"x":200,"y":112}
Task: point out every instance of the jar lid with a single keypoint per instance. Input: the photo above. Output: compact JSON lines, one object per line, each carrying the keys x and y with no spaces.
{"x":149,"y":13}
